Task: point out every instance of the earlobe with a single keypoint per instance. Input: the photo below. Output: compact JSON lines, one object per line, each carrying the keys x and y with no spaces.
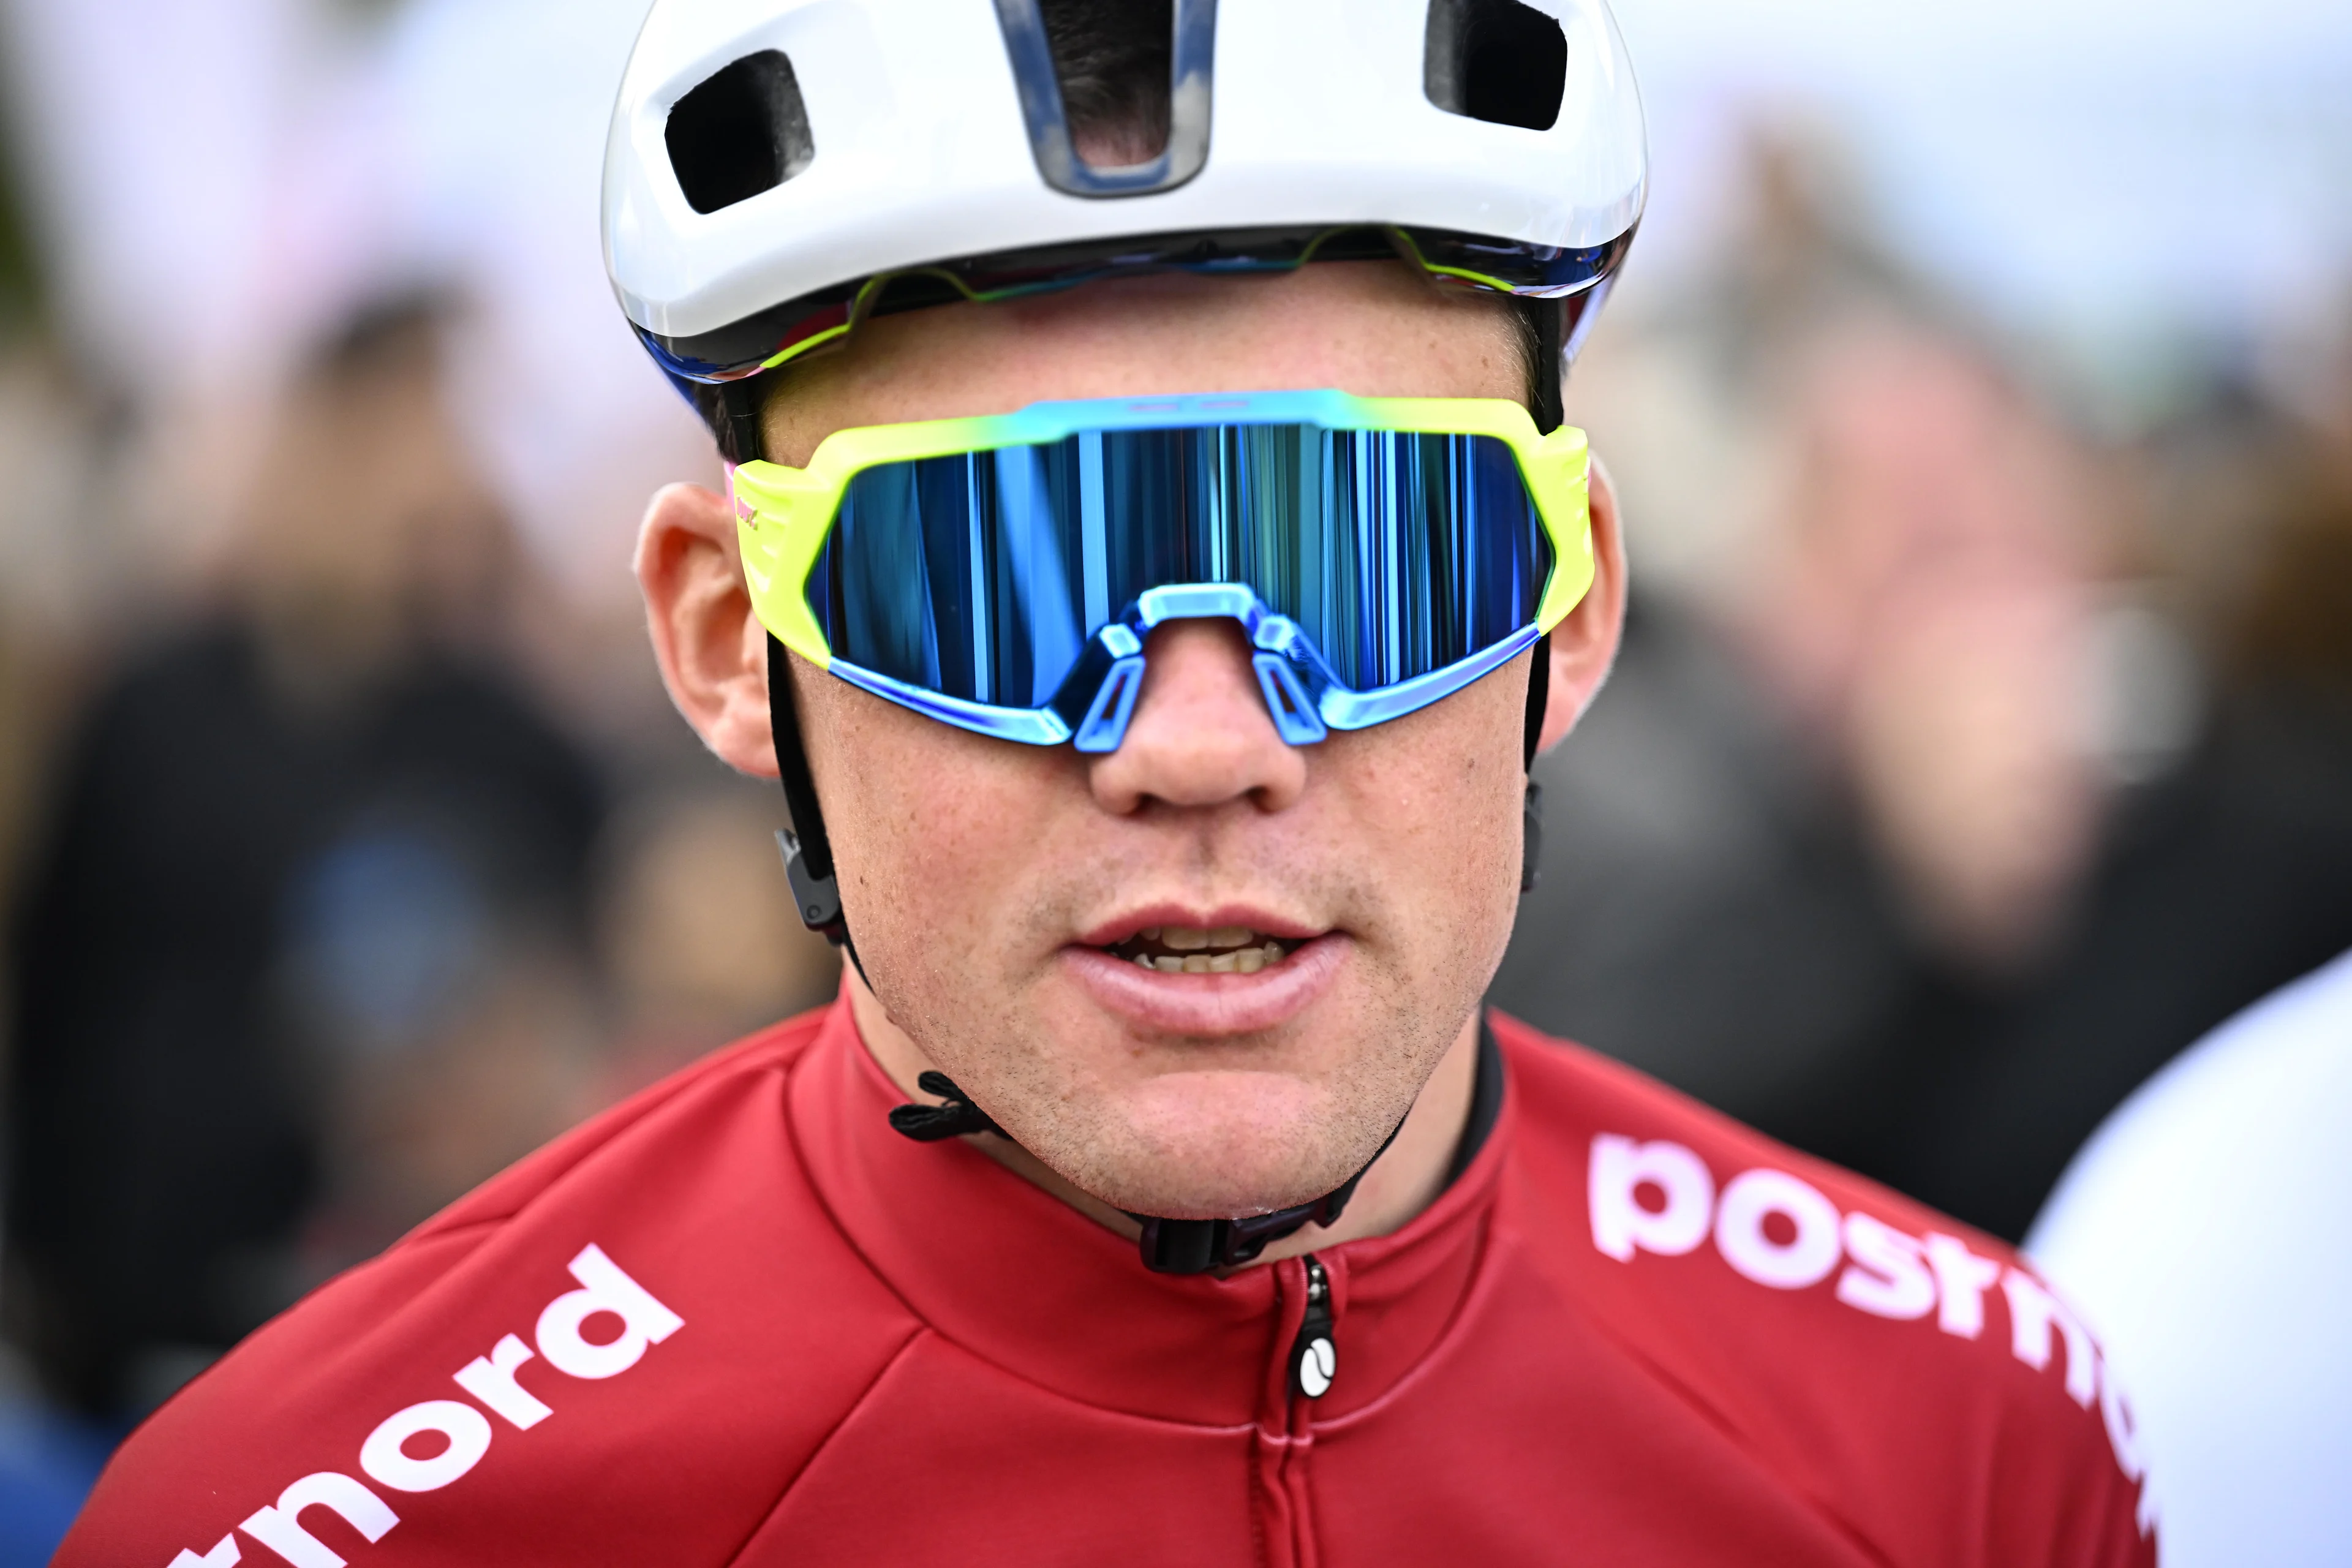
{"x":1584,"y":645}
{"x":710,"y":646}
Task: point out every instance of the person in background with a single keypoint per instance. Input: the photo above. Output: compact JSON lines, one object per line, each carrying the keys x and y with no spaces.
{"x":301,"y":846}
{"x":2206,"y":1231}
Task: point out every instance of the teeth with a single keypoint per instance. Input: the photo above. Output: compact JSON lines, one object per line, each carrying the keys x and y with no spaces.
{"x":1247,"y":961}
{"x":1193,"y":938}
{"x":1239,"y":950}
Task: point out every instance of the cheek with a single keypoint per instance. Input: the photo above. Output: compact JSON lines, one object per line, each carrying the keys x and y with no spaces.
{"x":936,"y":830}
{"x":1440,"y":794}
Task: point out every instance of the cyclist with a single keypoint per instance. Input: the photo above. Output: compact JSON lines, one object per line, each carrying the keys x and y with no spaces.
{"x":1153,"y":560}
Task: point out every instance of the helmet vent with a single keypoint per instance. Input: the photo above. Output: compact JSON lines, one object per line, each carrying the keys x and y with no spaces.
{"x":1132,"y":79}
{"x":742,"y":132}
{"x":1496,"y":60}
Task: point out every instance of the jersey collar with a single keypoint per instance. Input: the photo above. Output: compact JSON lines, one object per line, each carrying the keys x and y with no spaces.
{"x":1017,"y":1277}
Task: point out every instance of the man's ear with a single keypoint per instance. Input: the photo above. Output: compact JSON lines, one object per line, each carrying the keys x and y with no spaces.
{"x":712,"y":651}
{"x":1584,"y":646}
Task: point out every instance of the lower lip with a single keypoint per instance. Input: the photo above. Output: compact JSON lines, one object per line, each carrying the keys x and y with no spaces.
{"x":1209,"y":1004}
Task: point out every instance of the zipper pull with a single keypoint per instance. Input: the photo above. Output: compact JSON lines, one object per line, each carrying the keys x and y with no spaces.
{"x":1314,"y":1359}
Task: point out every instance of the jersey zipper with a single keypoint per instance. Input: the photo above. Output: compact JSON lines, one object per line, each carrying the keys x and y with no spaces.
{"x":1285,"y":1445}
{"x":1315,"y":1355}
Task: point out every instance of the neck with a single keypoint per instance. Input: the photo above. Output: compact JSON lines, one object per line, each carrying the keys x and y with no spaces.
{"x":1400,"y":1184}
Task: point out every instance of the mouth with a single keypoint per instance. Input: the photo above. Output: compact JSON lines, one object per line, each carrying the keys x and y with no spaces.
{"x":1206,"y":973}
{"x":1202,"y":950}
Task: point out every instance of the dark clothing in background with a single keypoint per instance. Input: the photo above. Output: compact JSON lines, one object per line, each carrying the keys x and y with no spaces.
{"x":1709,"y":912}
{"x":2219,"y":884}
{"x":163,"y":1145}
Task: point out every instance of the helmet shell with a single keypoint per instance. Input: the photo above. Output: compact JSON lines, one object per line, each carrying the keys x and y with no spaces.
{"x":1318,"y":113}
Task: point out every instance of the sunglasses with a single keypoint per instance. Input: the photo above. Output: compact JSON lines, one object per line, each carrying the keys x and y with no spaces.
{"x":1003,"y":573}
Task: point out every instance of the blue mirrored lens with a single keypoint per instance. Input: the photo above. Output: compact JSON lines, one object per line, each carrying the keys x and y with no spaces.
{"x":982,"y":575}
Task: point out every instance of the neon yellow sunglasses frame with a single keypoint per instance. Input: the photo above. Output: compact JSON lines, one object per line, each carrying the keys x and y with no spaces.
{"x":784,"y":515}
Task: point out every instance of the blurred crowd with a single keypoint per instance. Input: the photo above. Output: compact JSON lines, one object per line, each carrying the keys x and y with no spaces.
{"x":347,"y":866}
{"x":1967,"y":758}
{"x":327,"y":915}
{"x":1973,"y":752}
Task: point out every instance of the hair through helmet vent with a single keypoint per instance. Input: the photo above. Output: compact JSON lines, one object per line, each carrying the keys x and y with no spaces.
{"x":1112,"y":63}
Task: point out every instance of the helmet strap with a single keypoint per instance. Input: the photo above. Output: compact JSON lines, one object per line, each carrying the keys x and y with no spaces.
{"x":1531,"y":828}
{"x":1549,"y":318}
{"x":807,"y":849}
{"x":1553,"y":321}
{"x":731,"y":409}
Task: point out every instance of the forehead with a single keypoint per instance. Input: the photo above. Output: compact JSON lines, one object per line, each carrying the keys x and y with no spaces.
{"x":1375,"y":329}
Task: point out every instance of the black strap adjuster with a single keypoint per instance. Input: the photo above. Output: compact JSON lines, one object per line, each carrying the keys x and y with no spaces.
{"x":934,"y":1123}
{"x":818,"y":898}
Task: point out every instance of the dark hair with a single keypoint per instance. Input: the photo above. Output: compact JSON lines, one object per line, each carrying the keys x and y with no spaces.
{"x":1113,"y":59}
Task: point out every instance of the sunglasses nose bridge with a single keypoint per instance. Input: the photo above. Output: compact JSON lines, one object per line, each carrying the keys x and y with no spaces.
{"x":1275,"y":646}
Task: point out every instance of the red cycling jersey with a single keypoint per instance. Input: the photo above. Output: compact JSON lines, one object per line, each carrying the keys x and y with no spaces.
{"x":739,"y":1320}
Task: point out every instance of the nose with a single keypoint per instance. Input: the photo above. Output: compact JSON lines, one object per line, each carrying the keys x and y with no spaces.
{"x":1200,"y":735}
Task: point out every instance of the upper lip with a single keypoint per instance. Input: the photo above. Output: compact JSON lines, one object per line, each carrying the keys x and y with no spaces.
{"x":1121,"y":927}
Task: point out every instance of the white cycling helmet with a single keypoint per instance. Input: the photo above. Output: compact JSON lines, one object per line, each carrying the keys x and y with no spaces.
{"x":780,"y":170}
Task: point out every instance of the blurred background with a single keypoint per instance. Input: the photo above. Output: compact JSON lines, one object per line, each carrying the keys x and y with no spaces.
{"x":1980,"y":395}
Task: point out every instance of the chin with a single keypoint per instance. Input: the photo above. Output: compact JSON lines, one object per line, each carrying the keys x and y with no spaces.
{"x":1216,"y":1145}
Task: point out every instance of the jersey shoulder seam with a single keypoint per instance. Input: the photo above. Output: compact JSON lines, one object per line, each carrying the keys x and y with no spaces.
{"x":784,"y":1492}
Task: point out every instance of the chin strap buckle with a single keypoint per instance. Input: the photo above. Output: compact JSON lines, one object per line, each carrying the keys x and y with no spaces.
{"x":1197,"y":1246}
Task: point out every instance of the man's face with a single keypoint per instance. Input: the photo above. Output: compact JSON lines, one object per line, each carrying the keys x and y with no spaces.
{"x":1001,"y":894}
